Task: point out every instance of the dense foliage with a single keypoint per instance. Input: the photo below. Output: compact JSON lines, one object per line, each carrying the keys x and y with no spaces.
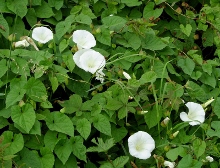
{"x":161,"y":56}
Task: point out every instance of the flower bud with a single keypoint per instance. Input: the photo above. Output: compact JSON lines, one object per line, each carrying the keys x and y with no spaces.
{"x":172,"y":136}
{"x":11,"y":37}
{"x":166,"y":148}
{"x":126,"y":75}
{"x":165,"y":122}
{"x":21,"y":103}
{"x":204,"y":105}
{"x":209,"y":159}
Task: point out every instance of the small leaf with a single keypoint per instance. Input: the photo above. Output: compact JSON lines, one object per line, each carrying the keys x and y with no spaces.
{"x":74,"y":104}
{"x":215,"y":131}
{"x":83,"y":126}
{"x":114,"y":22}
{"x":63,"y":45}
{"x":4,"y":30}
{"x":173,"y":154}
{"x":187,"y":65}
{"x":150,"y":12}
{"x":114,"y":104}
{"x":150,"y":76}
{"x":101,"y":146}
{"x":199,"y":147}
{"x":119,"y":162}
{"x":186,"y":30}
{"x":3,"y":66}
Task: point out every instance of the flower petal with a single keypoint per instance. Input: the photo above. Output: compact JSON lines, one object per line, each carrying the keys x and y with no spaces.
{"x":83,"y":39}
{"x":77,"y":55}
{"x":184,"y":117}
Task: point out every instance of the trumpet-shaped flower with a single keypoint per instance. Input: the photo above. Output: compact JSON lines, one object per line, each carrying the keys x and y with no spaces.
{"x":196,"y":114}
{"x":89,"y":60}
{"x":83,"y":39}
{"x":22,"y":43}
{"x":141,"y":144}
{"x":42,"y":34}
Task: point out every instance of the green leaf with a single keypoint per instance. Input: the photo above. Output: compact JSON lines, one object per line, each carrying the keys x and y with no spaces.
{"x":208,"y":37}
{"x":3,"y":122}
{"x":74,"y":104}
{"x":23,"y":116}
{"x":19,"y":7}
{"x":199,"y":147}
{"x":131,"y":3}
{"x":71,"y":163}
{"x":173,"y":154}
{"x":56,"y":3}
{"x":187,"y":65}
{"x":119,"y":133}
{"x":4,"y":30}
{"x":16,"y":92}
{"x":63,"y":45}
{"x":63,"y":150}
{"x":150,"y":76}
{"x":149,"y":11}
{"x":30,"y":158}
{"x":68,"y":60}
{"x":63,"y":26}
{"x":20,"y":66}
{"x":133,"y":40}
{"x":152,"y":42}
{"x":36,"y":90}
{"x":215,"y":131}
{"x":47,"y":158}
{"x":186,"y":30}
{"x":196,"y":92}
{"x":104,"y":36}
{"x":84,"y":19}
{"x":102,"y":124}
{"x":51,"y":139}
{"x":31,"y":17}
{"x":44,"y":10}
{"x":120,"y":162}
{"x":208,"y":79}
{"x":59,"y":122}
{"x":152,"y":117}
{"x":15,"y":141}
{"x":186,"y":161}
{"x":114,"y":22}
{"x":83,"y":126}
{"x":206,"y":67}
{"x":36,"y":129}
{"x":54,"y":82}
{"x":101,"y":146}
{"x":3,"y":67}
{"x":114,"y":104}
{"x":79,"y":150}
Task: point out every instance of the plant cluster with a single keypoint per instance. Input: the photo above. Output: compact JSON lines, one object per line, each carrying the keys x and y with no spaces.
{"x":109,"y":83}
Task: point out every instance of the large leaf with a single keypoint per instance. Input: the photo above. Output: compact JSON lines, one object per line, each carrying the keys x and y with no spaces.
{"x":83,"y":126}
{"x":47,"y":158}
{"x":44,"y":10}
{"x":16,"y":142}
{"x":102,"y":124}
{"x":23,"y":116}
{"x":16,"y":92}
{"x":79,"y":150}
{"x":59,"y":122}
{"x":63,"y":150}
{"x":199,"y":147}
{"x":36,"y":90}
{"x":114,"y":22}
{"x":19,"y":7}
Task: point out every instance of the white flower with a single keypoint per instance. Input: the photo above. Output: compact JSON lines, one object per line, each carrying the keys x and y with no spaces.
{"x":126,"y":75}
{"x":100,"y":76}
{"x":89,"y":60}
{"x":169,"y":164}
{"x":209,"y":158}
{"x":141,"y":144}
{"x":196,"y":114}
{"x":42,"y":34}
{"x":22,"y":43}
{"x":83,"y":39}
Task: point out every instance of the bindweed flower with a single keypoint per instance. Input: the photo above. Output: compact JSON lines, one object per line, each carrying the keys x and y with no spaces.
{"x":209,"y":159}
{"x":126,"y":75}
{"x":83,"y":39}
{"x":22,"y":43}
{"x":42,"y":34}
{"x":196,"y":114}
{"x":169,"y":164}
{"x":141,"y":144}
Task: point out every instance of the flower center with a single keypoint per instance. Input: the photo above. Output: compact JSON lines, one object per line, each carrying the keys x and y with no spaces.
{"x":138,"y":147}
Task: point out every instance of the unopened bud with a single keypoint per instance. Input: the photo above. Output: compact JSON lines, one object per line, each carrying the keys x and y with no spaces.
{"x":207,"y":103}
{"x":165,"y":122}
{"x":11,"y":37}
{"x":126,"y":75}
{"x":172,"y":136}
